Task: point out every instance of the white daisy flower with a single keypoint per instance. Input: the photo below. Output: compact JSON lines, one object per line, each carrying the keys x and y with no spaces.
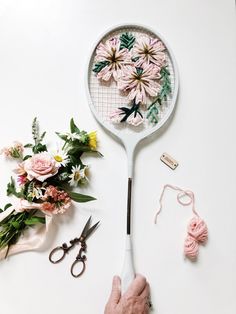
{"x":84,"y":173}
{"x":60,"y":157}
{"x":75,"y":176}
{"x":73,"y":136}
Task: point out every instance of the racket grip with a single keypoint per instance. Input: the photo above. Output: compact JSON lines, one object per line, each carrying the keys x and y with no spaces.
{"x":128,"y":274}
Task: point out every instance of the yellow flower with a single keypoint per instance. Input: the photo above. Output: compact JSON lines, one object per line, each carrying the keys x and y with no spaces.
{"x":93,"y":139}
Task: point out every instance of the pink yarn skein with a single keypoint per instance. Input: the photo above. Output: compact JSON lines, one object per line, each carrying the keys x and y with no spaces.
{"x":197,"y":228}
{"x":197,"y":233}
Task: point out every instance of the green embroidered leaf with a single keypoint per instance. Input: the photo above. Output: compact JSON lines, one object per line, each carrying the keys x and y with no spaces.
{"x":28,"y":145}
{"x":135,"y":59}
{"x":100,"y":65}
{"x":166,"y":84}
{"x":127,"y":41}
{"x":139,"y":71}
{"x":152,"y":114}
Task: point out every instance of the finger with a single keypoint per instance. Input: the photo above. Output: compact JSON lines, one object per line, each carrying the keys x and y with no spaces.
{"x":137,"y":286}
{"x":115,"y":291}
{"x":146,"y":292}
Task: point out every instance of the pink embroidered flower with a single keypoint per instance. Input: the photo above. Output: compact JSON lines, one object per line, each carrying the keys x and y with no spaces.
{"x":135,"y":119}
{"x":197,"y":228}
{"x":116,"y":59}
{"x":116,"y":116}
{"x":41,"y":166}
{"x":149,"y":50}
{"x":140,"y":83}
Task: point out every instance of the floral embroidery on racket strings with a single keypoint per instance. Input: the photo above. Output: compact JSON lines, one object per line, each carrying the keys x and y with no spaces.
{"x":139,"y":67}
{"x":197,"y":231}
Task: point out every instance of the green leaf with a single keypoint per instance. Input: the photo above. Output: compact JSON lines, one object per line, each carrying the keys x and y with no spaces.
{"x":100,"y":65}
{"x":80,"y":198}
{"x":35,"y":132}
{"x":73,"y":127}
{"x":62,"y":136}
{"x":28,"y":145}
{"x":11,"y":189}
{"x":127,"y":41}
{"x":27,"y":157}
{"x":7,"y":206}
{"x":34,"y":220}
{"x":15,"y":224}
{"x":42,"y":136}
{"x":38,"y":148}
{"x":79,"y":148}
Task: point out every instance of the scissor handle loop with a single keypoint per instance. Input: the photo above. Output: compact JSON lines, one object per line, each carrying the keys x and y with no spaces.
{"x":57,"y":249}
{"x":82,"y":260}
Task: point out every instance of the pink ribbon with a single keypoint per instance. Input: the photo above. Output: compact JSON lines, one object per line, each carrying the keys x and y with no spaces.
{"x":32,"y":239}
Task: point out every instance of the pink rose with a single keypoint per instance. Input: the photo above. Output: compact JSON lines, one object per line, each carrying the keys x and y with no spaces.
{"x":197,"y":229}
{"x":41,"y":166}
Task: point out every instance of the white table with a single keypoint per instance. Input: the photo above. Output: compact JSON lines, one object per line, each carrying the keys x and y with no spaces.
{"x":44,"y":46}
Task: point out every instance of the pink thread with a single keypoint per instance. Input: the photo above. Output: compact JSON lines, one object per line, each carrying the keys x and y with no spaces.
{"x":197,"y":228}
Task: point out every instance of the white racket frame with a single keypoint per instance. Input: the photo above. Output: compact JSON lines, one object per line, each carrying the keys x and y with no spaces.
{"x":130,"y":141}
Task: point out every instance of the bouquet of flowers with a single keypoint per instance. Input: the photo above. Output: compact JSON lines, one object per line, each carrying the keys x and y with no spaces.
{"x":45,"y":185}
{"x":138,"y":64}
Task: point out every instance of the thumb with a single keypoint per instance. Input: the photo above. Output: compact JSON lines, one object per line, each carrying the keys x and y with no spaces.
{"x":116,"y":291}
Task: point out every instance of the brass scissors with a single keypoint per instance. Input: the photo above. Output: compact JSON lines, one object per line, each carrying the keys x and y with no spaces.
{"x":58,"y":254}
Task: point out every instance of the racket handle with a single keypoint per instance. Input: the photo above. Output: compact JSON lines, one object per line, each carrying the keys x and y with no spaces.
{"x":128,"y":274}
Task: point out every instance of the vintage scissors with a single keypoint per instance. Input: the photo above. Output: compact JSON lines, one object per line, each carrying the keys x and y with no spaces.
{"x":58,"y":254}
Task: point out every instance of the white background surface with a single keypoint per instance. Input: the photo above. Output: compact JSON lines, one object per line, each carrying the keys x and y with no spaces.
{"x":44,"y":46}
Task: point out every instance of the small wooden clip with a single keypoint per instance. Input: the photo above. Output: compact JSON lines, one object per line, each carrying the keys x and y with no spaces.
{"x":169,"y":161}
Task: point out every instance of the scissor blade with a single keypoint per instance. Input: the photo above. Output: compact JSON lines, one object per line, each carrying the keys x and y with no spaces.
{"x":86,"y":227}
{"x":88,"y":233}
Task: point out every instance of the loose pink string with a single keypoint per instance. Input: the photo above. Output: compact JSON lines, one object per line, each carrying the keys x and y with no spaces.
{"x":181,"y":194}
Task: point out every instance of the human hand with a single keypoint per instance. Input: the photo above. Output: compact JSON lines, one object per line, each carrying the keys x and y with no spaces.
{"x":134,"y":301}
